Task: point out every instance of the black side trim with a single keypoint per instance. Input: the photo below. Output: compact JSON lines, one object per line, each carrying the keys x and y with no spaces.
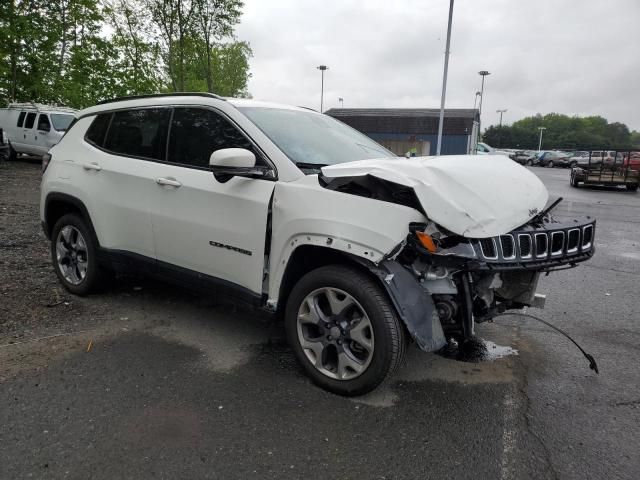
{"x":128,"y":262}
{"x":61,"y":199}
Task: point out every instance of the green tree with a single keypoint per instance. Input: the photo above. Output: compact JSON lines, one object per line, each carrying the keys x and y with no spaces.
{"x":561,"y":131}
{"x":214,"y":20}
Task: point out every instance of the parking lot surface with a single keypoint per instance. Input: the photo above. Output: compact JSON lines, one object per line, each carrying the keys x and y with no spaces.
{"x":148,"y":381}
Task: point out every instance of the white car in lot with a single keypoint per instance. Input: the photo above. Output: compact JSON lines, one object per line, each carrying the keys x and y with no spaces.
{"x":288,"y":210}
{"x":32,"y":129}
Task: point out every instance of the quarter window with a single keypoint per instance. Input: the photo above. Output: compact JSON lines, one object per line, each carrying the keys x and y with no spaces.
{"x":197,"y":132}
{"x":43,"y":123}
{"x":98,"y":129}
{"x":21,"y":119}
{"x":139,"y":133}
{"x":31,"y":119}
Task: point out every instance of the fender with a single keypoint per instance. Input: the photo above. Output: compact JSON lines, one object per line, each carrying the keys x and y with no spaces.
{"x":56,"y":198}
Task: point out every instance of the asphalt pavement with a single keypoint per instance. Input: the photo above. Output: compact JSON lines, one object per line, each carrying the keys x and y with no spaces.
{"x":147,"y":381}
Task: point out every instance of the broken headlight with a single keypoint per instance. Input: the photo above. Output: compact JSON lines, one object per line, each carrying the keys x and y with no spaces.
{"x":438,"y":241}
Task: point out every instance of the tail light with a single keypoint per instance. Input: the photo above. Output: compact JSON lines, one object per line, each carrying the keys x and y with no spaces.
{"x":46,"y":158}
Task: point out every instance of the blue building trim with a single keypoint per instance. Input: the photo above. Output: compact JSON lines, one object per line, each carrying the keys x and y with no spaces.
{"x":451,"y":144}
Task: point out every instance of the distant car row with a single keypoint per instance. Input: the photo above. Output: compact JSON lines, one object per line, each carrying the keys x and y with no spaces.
{"x":555,"y":158}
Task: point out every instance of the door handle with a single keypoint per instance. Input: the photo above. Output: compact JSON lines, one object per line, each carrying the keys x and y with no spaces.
{"x":92,"y":166}
{"x":170,"y":182}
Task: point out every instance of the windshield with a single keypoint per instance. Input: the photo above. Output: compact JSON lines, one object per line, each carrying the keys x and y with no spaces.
{"x":310,"y":139}
{"x":61,"y":121}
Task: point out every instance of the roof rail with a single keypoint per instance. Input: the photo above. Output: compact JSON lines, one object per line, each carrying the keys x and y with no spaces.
{"x":160,"y":95}
{"x":39,"y":107}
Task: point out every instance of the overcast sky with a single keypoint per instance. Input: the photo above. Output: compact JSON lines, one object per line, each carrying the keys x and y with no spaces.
{"x":567,"y":56}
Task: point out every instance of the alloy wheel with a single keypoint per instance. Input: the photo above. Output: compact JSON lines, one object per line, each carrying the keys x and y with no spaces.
{"x":72,"y":254}
{"x":335,"y":333}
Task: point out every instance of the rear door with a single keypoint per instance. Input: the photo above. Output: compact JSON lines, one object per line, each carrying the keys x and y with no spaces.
{"x":199,"y":223}
{"x":118,"y":170}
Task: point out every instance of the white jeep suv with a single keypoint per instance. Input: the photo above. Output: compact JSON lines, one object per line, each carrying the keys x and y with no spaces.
{"x":289,"y":210}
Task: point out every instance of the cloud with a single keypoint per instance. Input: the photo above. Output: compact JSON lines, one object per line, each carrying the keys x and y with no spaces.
{"x":572,"y":57}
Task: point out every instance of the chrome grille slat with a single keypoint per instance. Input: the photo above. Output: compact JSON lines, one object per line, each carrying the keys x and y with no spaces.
{"x":525,"y":244}
{"x":508,"y":247}
{"x":557,"y":243}
{"x":573,"y":240}
{"x":488,"y":248}
{"x":587,"y":237}
{"x":542,"y":245}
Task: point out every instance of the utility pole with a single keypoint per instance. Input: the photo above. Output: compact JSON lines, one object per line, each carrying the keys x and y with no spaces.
{"x":540,"y":141}
{"x":444,"y":79}
{"x":341,"y":100}
{"x":482,"y":73}
{"x":322,"y":69}
{"x":500,"y":130}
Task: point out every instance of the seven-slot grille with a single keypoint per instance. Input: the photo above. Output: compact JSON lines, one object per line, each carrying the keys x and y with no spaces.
{"x":536,"y":245}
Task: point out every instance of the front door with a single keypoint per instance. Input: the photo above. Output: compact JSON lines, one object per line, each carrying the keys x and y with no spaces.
{"x":42,"y":134}
{"x":199,"y":223}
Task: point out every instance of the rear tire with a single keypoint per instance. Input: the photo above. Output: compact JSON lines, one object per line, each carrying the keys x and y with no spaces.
{"x":550,"y":164}
{"x":343,"y":330}
{"x":529,"y":163}
{"x":74,"y":252}
{"x":13,"y":155}
{"x":632,"y":188}
{"x":574,"y":180}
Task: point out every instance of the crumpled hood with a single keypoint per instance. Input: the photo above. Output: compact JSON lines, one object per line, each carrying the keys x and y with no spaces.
{"x":475,"y":196}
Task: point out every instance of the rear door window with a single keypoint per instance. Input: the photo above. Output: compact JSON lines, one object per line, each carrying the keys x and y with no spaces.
{"x":43,"y":123}
{"x":98,"y":129}
{"x":21,"y":119}
{"x":139,"y":133}
{"x":31,"y":119}
{"x":198,"y":132}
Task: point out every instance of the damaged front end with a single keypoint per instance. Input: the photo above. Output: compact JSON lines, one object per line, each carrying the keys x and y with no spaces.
{"x":473,"y":280}
{"x":479,"y":254}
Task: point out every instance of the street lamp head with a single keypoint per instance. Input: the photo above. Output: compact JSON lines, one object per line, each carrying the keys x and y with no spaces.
{"x":501,"y":111}
{"x":542,"y":128}
{"x":322,"y":67}
{"x":483,"y":73}
{"x":478,"y":94}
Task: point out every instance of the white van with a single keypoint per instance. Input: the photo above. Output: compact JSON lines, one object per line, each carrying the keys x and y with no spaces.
{"x":32,"y":129}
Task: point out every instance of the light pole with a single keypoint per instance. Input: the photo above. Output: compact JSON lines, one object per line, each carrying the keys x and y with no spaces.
{"x":475,"y":99}
{"x":341,"y":100}
{"x":540,"y":141}
{"x":444,"y":79}
{"x":322,"y":69}
{"x":500,"y":131}
{"x":482,"y":73}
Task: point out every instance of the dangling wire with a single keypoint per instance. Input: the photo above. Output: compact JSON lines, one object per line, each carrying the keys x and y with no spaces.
{"x":592,"y":361}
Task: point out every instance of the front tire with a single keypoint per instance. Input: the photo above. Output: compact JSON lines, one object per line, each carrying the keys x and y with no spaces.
{"x":343,"y":330}
{"x":550,"y":164}
{"x":13,"y":155}
{"x":632,"y":188}
{"x":74,"y":251}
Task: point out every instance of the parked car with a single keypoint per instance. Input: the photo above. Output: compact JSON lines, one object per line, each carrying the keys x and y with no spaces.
{"x":632,"y":160}
{"x":4,"y":145}
{"x":33,"y":129}
{"x":484,"y":149}
{"x":552,"y":159}
{"x":579,"y":158}
{"x":293,"y":212}
{"x":526,"y":157}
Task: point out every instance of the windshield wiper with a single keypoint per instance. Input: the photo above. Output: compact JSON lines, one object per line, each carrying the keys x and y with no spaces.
{"x":310,"y":166}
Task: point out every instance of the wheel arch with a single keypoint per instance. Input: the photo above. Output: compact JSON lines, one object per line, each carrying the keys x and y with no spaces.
{"x":306,"y":258}
{"x":58,"y":204}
